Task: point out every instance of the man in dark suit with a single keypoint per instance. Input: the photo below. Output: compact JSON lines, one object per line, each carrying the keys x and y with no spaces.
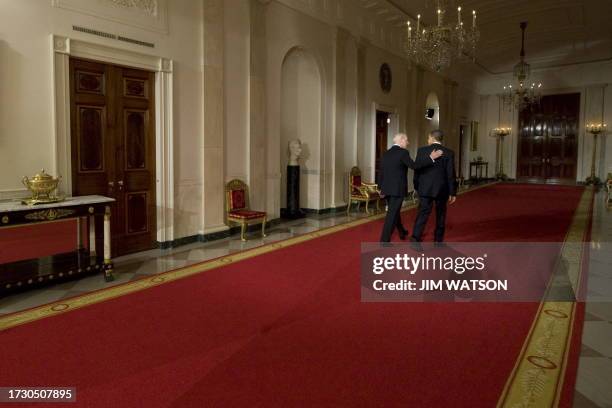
{"x":394,"y":184}
{"x":435,"y":184}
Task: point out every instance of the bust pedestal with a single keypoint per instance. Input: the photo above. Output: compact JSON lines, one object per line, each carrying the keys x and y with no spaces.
{"x":293,"y":193}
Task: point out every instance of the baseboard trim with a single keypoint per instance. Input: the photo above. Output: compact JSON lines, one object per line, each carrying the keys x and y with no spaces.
{"x":329,"y":210}
{"x":214,"y":236}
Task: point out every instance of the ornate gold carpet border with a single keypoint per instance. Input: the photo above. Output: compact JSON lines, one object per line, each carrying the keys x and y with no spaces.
{"x":65,"y":305}
{"x":537,"y":378}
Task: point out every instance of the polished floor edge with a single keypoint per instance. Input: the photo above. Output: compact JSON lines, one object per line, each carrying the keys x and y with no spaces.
{"x":66,"y":305}
{"x":539,"y":372}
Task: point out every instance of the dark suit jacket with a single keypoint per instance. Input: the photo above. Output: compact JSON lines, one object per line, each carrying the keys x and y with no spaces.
{"x":437,"y":180}
{"x":394,"y":165}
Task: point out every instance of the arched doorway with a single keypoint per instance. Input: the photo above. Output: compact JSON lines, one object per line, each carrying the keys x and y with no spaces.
{"x":300,"y":112}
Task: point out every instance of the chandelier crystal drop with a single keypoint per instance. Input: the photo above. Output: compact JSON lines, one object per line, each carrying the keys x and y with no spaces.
{"x":438,"y":45}
{"x":522,"y":95}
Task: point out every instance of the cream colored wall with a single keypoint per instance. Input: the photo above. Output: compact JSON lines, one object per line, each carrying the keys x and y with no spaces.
{"x":26,"y":85}
{"x":236,"y":69}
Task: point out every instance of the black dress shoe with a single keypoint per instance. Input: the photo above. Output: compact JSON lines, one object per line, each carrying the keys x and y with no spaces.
{"x":403,"y":235}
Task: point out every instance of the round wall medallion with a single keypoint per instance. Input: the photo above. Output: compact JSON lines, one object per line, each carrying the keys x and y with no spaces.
{"x":385,"y":77}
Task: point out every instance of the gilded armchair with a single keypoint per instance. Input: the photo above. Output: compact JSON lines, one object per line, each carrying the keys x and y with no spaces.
{"x":237,"y":208}
{"x":361,"y":191}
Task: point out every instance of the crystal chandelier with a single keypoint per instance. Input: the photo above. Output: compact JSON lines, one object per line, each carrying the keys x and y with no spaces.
{"x":522,"y":95}
{"x":437,"y":46}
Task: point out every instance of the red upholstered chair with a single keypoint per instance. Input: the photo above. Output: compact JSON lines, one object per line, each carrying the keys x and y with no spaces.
{"x":237,"y":208}
{"x":361,"y":191}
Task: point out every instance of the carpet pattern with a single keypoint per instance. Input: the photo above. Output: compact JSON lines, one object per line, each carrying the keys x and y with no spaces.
{"x":287,"y":328}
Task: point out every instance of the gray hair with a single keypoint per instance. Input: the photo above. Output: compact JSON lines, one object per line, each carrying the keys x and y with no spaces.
{"x":437,"y":135}
{"x":399,"y":136}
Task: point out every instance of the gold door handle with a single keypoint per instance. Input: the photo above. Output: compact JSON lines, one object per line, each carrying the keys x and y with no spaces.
{"x":120,"y":184}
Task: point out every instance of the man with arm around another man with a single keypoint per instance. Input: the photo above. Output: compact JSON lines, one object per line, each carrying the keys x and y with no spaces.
{"x":394,"y":183}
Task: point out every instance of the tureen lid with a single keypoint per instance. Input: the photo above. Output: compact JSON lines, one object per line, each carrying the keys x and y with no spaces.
{"x":42,"y":176}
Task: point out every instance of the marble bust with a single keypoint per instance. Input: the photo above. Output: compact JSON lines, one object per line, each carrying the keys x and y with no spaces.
{"x":295,"y":151}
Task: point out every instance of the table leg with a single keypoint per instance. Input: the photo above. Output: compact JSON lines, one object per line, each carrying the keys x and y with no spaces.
{"x":79,"y":243}
{"x":108,"y":264}
{"x":92,"y":235}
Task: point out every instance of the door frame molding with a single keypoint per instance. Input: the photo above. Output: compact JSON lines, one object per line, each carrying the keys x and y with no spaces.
{"x":65,"y":47}
{"x":395,"y":124}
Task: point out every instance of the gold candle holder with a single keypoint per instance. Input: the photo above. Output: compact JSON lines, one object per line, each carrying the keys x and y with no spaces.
{"x":500,"y":133}
{"x":595,"y":129}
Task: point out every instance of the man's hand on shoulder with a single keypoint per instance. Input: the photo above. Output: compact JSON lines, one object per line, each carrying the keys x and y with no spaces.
{"x":435,"y":154}
{"x":452,"y":199}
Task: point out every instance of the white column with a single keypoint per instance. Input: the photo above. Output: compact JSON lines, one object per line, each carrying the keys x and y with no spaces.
{"x":79,"y":243}
{"x":92,"y":235}
{"x":107,"y":236}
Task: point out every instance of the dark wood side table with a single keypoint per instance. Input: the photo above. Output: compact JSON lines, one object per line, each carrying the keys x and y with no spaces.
{"x":478,"y":166}
{"x":20,"y":275}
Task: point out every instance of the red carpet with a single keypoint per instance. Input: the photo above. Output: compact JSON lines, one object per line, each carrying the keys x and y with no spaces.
{"x":288,"y":329}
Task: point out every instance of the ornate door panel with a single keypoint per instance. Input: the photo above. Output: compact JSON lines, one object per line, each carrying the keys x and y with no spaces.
{"x":92,"y":143}
{"x":113,"y":146}
{"x":136,"y":159}
{"x":548,"y":140}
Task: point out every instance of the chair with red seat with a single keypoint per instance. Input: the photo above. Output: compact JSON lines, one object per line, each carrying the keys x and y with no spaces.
{"x":237,"y":208}
{"x":361,"y":191}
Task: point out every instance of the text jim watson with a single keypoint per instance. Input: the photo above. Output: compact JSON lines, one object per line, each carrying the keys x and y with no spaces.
{"x":450,"y":284}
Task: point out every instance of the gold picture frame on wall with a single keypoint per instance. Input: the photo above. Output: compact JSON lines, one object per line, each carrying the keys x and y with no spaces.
{"x":473,"y":135}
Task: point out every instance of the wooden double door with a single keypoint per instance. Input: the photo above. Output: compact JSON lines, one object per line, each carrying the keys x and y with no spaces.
{"x":112,"y":120}
{"x":548,"y":140}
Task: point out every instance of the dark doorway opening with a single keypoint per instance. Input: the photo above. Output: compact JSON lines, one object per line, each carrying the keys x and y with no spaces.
{"x":382,"y":131}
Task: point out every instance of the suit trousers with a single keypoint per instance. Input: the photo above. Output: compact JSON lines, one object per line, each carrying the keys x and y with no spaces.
{"x":393,"y":218}
{"x":425,"y":207}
